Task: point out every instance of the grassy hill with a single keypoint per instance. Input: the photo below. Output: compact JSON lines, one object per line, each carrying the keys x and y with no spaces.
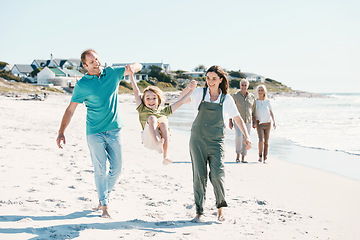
{"x":19,"y":88}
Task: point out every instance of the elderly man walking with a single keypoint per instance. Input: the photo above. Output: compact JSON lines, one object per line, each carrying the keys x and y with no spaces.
{"x":246,"y":105}
{"x":98,"y":89}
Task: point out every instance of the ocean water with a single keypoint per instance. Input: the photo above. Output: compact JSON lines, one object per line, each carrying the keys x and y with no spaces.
{"x":322,"y":133}
{"x":331,"y":123}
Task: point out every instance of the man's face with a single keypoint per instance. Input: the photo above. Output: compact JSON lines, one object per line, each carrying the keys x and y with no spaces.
{"x":244,"y":86}
{"x":93,"y":64}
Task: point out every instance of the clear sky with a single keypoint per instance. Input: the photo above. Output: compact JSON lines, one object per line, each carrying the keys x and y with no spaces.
{"x":310,"y":45}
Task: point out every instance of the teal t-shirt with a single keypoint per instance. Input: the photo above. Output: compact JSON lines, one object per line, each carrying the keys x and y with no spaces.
{"x":100,"y":95}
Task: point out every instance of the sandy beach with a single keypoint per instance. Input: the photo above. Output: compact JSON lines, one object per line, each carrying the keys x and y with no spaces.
{"x":48,"y":193}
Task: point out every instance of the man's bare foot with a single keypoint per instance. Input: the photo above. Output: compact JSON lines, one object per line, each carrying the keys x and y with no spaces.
{"x":221,"y":216}
{"x":166,"y":161}
{"x":105,"y":213}
{"x":198,"y":219}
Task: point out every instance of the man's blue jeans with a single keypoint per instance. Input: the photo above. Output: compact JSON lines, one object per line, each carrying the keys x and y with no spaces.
{"x":105,"y":146}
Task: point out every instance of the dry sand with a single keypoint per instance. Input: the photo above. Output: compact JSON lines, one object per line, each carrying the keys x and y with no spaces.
{"x":48,"y":193}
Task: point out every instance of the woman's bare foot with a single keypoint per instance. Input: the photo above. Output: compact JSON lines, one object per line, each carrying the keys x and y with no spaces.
{"x":105,"y":213}
{"x":221,"y":216}
{"x":198,"y":219}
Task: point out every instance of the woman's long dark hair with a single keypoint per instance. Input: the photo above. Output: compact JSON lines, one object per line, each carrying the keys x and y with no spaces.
{"x":224,"y":85}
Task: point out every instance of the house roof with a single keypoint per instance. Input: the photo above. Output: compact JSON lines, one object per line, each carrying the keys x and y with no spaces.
{"x":58,"y":72}
{"x":59,"y":62}
{"x":42,"y":62}
{"x":74,"y":61}
{"x":193,"y":72}
{"x":25,"y":68}
{"x":148,"y":65}
{"x":72,"y":72}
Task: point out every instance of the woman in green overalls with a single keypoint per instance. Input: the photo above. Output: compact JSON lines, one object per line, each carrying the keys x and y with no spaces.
{"x":214,"y":106}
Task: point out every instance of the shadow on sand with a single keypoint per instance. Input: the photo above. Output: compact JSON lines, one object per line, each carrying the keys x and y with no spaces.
{"x":71,"y":231}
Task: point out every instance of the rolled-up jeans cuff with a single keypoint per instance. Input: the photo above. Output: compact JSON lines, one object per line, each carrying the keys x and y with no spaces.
{"x":104,"y":202}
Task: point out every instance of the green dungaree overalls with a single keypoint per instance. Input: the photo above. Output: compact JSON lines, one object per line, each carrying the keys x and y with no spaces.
{"x":207,"y":146}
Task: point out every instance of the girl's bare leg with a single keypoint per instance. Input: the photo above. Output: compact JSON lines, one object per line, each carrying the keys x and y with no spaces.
{"x":165,"y":134}
{"x":153,"y":124}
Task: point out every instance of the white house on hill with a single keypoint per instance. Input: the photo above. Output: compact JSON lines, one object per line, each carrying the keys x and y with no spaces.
{"x":22,"y":70}
{"x":57,"y":63}
{"x":37,"y":63}
{"x":251,"y":77}
{"x":58,"y":77}
{"x":195,"y":74}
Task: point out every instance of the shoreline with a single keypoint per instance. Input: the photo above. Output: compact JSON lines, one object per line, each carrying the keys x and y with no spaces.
{"x":334,"y":161}
{"x":56,"y":192}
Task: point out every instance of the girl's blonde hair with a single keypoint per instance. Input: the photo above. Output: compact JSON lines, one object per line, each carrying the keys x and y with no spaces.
{"x":265,"y":91}
{"x":155,"y":90}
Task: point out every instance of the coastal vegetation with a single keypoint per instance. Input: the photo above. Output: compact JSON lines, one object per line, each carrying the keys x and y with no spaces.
{"x":8,"y":76}
{"x":18,"y":88}
{"x":156,"y":77}
{"x":3,"y":64}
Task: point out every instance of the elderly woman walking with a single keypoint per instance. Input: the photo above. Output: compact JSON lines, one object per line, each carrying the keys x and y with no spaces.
{"x":264,"y":115}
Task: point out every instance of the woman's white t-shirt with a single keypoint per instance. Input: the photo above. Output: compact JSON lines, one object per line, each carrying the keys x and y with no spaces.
{"x":263,"y":108}
{"x":229,"y":107}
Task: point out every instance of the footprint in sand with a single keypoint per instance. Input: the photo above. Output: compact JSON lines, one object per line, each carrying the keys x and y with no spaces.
{"x":188,"y":206}
{"x":149,"y":234}
{"x":84,"y":199}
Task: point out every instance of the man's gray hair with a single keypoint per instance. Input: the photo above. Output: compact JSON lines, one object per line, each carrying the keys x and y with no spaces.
{"x":245,"y":80}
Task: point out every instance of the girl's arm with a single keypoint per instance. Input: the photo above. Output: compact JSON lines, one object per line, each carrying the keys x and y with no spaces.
{"x":186,"y":90}
{"x":185,"y":98}
{"x":273,"y":118}
{"x":135,"y":88}
{"x":240,"y":123}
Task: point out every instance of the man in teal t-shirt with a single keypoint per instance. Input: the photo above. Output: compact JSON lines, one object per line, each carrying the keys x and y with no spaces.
{"x":98,"y":90}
